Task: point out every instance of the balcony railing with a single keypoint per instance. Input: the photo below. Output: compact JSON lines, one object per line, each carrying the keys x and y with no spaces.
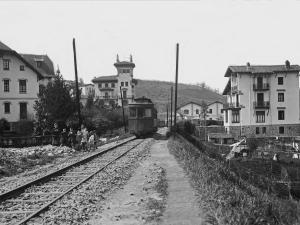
{"x":108,"y":97}
{"x":127,"y":97}
{"x":261,"y":104}
{"x":232,"y":105}
{"x":234,"y":89}
{"x":261,"y":86}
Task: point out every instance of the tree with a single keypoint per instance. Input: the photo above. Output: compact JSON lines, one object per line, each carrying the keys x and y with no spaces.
{"x":81,"y":81}
{"x":203,"y":115}
{"x":90,"y":99}
{"x":4,"y":125}
{"x":55,"y":103}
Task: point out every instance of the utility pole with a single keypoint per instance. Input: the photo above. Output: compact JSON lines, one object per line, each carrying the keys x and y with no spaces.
{"x":123,"y":110}
{"x":76,"y":79}
{"x":176,"y":83}
{"x":171,"y":107}
{"x":168,"y":112}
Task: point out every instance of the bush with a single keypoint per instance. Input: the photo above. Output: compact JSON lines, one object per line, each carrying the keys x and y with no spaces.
{"x":189,"y":127}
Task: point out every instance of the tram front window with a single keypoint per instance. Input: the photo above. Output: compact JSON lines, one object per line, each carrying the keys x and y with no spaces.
{"x":147,"y":112}
{"x":140,"y":112}
{"x":132,"y":112}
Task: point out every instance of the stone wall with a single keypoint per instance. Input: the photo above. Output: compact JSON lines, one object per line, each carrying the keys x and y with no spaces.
{"x":271,"y":130}
{"x":209,"y":129}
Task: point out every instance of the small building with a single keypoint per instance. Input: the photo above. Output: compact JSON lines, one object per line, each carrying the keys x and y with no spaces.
{"x":113,"y":89}
{"x":192,"y":110}
{"x":220,"y":138}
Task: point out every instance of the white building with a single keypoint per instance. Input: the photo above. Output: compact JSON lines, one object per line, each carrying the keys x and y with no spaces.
{"x":262,"y":100}
{"x":110,"y":89}
{"x":20,"y":83}
{"x":192,"y":110}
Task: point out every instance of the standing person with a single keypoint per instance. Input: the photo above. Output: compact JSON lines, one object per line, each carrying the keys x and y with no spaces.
{"x":63,"y":137}
{"x":84,"y":139}
{"x":96,"y":139}
{"x":55,"y":132}
{"x":92,"y":141}
{"x":71,"y":138}
{"x":78,"y":138}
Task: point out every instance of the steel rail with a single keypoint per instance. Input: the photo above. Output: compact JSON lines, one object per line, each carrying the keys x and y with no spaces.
{"x":75,"y":186}
{"x":19,"y":189}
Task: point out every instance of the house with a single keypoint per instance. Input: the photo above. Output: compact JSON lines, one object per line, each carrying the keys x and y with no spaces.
{"x":113,"y":89}
{"x":20,"y":76}
{"x":262,"y":100}
{"x":191,"y":110}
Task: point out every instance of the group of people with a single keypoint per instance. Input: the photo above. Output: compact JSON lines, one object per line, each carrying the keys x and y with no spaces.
{"x":82,"y":140}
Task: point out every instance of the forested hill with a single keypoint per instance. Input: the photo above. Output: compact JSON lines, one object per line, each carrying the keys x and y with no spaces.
{"x":159,"y":91}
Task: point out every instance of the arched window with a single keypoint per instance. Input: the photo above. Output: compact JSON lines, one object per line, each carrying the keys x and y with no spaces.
{"x":106,"y":95}
{"x":197,"y":111}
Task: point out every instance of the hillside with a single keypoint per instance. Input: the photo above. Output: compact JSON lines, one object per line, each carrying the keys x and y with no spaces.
{"x":159,"y":91}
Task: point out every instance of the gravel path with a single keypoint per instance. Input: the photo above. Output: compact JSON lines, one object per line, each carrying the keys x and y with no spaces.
{"x":132,"y":204}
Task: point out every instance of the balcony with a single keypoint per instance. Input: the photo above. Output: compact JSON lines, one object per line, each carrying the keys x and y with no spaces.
{"x":261,"y":104}
{"x":127,"y":97}
{"x":108,"y":97}
{"x":261,"y":87}
{"x":234,"y":89}
{"x":234,"y":105}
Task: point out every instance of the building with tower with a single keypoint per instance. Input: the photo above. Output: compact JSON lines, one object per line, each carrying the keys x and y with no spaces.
{"x":117,"y":88}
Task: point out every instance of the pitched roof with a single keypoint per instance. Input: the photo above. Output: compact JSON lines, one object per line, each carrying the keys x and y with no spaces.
{"x":46,"y":69}
{"x":4,"y":47}
{"x":124,"y":63}
{"x":105,"y":78}
{"x":215,"y":102}
{"x":260,"y":69}
{"x":187,"y":104}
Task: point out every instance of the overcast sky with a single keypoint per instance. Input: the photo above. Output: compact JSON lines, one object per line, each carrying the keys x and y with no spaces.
{"x":211,"y":36}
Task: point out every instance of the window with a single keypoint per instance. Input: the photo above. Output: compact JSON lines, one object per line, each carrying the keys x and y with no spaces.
{"x":210,"y":111}
{"x":38,"y":63}
{"x":140,"y":112}
{"x":132,"y":112}
{"x":257,"y":130}
{"x":186,"y":111}
{"x":122,"y":84}
{"x":264,"y":130}
{"x":113,"y":85}
{"x":235,"y":116}
{"x":22,"y":86}
{"x":124,"y":94}
{"x":126,"y":84}
{"x":99,"y":85}
{"x":6,"y":85}
{"x":106,"y":85}
{"x":22,"y":68}
{"x":147,"y":112}
{"x":280,"y":80}
{"x":7,"y":107}
{"x":281,"y":115}
{"x":226,"y":116}
{"x":106,"y":95}
{"x":260,"y":116}
{"x":124,"y":70}
{"x":23,"y":110}
{"x":281,"y":130}
{"x":197,"y":111}
{"x":280,"y":97}
{"x":6,"y":64}
{"x":120,"y":70}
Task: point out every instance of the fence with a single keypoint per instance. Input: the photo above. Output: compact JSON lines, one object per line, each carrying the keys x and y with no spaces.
{"x":18,"y":142}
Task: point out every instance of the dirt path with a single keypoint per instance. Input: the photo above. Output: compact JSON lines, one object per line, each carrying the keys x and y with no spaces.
{"x":140,"y":201}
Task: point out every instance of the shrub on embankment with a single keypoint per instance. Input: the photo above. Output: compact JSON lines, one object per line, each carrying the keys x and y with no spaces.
{"x":225,"y":202}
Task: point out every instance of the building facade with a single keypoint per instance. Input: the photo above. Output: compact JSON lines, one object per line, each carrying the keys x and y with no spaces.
{"x":192,"y":110}
{"x":262,"y":100}
{"x":113,"y":89}
{"x":20,"y":82}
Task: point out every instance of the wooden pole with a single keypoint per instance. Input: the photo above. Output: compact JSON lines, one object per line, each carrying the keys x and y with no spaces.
{"x":76,"y":79}
{"x":168,"y":112}
{"x":176,"y":83}
{"x":171,"y":107}
{"x":123,"y":110}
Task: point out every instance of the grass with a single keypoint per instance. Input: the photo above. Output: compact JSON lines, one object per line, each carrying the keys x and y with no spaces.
{"x":158,"y":206}
{"x":222,"y":201}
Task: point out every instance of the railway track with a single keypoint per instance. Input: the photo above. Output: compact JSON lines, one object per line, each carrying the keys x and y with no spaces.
{"x":29,"y":200}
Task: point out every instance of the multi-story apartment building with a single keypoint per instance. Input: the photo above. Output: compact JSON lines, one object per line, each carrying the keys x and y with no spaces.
{"x":112,"y":89}
{"x":20,"y":83}
{"x":262,"y":100}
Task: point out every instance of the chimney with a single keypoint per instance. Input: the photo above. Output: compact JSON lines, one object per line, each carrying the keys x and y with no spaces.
{"x":248,"y":65}
{"x":287,"y":64}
